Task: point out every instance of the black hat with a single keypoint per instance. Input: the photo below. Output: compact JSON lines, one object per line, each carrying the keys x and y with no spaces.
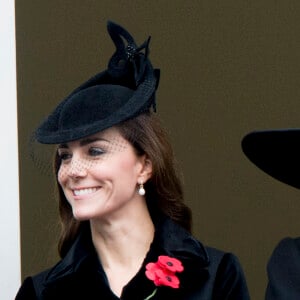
{"x":123,"y":91}
{"x":276,"y":152}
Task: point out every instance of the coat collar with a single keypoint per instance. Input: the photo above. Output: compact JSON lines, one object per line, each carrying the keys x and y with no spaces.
{"x":176,"y":242}
{"x":170,"y":239}
{"x":81,"y":250}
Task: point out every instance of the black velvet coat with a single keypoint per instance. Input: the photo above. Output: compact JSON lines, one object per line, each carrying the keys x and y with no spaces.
{"x":284,"y":271}
{"x":208,"y":273}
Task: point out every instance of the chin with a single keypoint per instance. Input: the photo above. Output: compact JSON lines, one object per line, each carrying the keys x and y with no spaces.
{"x":82,"y":216}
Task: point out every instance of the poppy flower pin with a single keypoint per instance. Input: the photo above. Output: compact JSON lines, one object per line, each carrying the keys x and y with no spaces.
{"x":163,"y":272}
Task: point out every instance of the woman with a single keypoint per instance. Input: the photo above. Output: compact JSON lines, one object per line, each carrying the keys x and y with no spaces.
{"x":276,"y":152}
{"x":126,"y":232}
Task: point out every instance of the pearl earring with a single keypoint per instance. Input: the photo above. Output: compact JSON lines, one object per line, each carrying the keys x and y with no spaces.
{"x":141,"y":190}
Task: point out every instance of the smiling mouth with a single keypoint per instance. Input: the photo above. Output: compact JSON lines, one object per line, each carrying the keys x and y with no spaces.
{"x":85,"y":191}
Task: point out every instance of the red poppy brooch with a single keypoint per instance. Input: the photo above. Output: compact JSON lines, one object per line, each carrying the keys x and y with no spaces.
{"x":163,"y":272}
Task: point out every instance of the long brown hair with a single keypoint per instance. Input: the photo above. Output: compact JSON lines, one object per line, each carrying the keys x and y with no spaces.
{"x":164,"y":192}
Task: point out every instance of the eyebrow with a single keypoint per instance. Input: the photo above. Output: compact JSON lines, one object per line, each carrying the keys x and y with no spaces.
{"x":84,"y":142}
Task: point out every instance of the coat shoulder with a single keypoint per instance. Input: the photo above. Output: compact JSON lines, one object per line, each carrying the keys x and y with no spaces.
{"x":221,"y":261}
{"x":31,"y":286}
{"x":287,"y":245}
{"x":229,"y":277}
{"x":283,"y":270}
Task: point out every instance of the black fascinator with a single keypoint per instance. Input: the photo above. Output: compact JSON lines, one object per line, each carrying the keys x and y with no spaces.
{"x":123,"y":91}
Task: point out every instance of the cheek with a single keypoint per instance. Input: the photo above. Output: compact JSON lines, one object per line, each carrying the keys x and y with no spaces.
{"x":61,"y":175}
{"x":130,"y":168}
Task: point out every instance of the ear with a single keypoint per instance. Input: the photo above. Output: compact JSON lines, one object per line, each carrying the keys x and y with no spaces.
{"x":146,"y":170}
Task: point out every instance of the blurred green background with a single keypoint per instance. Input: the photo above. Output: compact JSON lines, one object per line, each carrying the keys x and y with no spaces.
{"x":227,"y":68}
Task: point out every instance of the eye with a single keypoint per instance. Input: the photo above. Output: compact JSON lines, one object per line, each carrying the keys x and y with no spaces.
{"x":95,"y":151}
{"x":64,"y":155}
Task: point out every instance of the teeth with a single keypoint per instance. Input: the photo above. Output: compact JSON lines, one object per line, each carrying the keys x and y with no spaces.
{"x":84,"y":191}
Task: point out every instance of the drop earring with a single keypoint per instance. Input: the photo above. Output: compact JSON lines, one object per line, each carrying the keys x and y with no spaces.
{"x":141,"y":190}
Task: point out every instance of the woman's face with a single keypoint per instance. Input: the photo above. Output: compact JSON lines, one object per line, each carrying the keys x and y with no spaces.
{"x":99,"y":174}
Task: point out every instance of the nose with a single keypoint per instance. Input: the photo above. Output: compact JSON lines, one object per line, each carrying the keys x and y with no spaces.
{"x":77,"y":168}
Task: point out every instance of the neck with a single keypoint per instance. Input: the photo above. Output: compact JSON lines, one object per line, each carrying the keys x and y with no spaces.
{"x":123,"y":241}
{"x":122,"y":245}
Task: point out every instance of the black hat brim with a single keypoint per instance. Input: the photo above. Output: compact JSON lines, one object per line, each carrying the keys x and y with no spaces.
{"x":276,"y":152}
